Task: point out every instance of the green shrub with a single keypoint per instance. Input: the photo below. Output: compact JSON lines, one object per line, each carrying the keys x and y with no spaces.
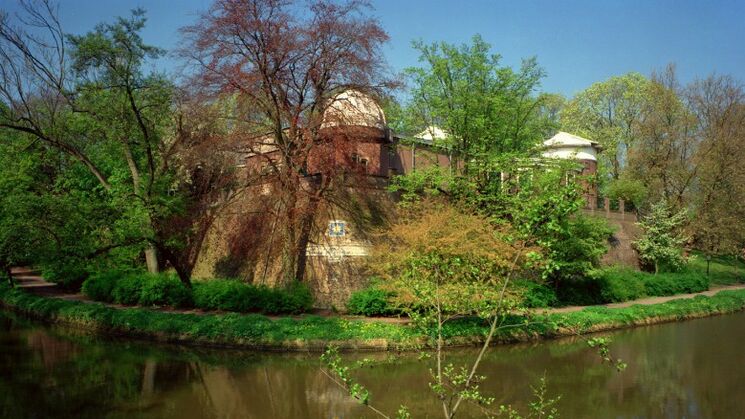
{"x":580,"y":291}
{"x":67,"y":273}
{"x":167,"y":290}
{"x":536,"y":295}
{"x":371,"y":301}
{"x":164,"y":289}
{"x":128,"y":289}
{"x":294,"y":299}
{"x":100,"y":286}
{"x":233,"y":295}
{"x":675,"y":283}
{"x":228,"y":295}
{"x":619,"y":284}
{"x":613,"y":285}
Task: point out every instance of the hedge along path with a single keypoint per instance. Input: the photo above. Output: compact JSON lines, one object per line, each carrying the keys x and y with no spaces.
{"x":650,"y":300}
{"x":35,"y":284}
{"x":315,"y":334}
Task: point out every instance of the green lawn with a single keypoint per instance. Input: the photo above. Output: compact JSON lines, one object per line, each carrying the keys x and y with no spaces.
{"x":724,"y":270}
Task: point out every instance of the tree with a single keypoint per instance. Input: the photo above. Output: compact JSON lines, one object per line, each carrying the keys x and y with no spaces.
{"x":485,"y":108}
{"x":718,"y":103}
{"x":286,"y":71}
{"x":129,"y":109}
{"x":609,"y":112}
{"x":89,"y":98}
{"x":441,"y":265}
{"x":661,"y":243}
{"x":663,"y":158}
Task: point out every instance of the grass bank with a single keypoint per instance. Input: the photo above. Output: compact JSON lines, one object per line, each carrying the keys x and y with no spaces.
{"x":723,"y":270}
{"x":313,"y":333}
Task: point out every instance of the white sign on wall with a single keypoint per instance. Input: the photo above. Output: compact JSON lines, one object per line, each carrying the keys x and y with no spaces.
{"x":337,"y":228}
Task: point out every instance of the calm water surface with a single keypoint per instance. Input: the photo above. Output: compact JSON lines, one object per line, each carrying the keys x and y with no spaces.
{"x":693,"y":369}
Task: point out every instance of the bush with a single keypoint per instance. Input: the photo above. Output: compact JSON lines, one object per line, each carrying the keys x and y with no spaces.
{"x":294,"y":299}
{"x":580,"y":291}
{"x":100,"y":286}
{"x":233,"y":295}
{"x":618,"y":284}
{"x":166,"y":290}
{"x":128,"y":289}
{"x":68,"y":273}
{"x":371,"y":302}
{"x":614,"y":285}
{"x":578,"y":248}
{"x":536,"y":295}
{"x":228,"y":295}
{"x":675,"y":283}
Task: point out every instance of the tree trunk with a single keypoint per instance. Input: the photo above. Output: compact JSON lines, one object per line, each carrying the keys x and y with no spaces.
{"x":306,"y":229}
{"x":151,"y":255}
{"x":151,"y":259}
{"x":148,"y":378}
{"x":183,"y":272}
{"x":289,"y":241}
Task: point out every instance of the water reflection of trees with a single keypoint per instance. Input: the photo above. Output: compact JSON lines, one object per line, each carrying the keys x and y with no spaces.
{"x":681,"y":370}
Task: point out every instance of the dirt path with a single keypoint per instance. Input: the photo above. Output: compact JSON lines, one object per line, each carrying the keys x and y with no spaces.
{"x":32,"y":282}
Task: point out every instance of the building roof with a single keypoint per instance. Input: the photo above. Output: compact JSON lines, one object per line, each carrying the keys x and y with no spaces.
{"x":431,"y":134}
{"x":565,"y":139}
{"x":352,"y":107}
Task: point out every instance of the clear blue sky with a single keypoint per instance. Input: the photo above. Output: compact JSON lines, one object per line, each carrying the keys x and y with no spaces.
{"x":576,"y":42}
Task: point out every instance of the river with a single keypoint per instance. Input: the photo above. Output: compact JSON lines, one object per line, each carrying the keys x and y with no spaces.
{"x":692,"y":369}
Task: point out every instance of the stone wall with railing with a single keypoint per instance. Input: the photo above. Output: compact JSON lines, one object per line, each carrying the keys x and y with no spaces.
{"x":621,"y":215}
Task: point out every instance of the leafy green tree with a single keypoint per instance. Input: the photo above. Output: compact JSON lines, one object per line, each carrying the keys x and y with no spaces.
{"x":495,"y":118}
{"x":129,"y":111}
{"x":485,"y":108}
{"x":132,"y":179}
{"x":663,"y":157}
{"x":661,"y":244}
{"x":443,"y":264}
{"x":609,"y":112}
{"x":545,"y":209}
{"x":629,"y":189}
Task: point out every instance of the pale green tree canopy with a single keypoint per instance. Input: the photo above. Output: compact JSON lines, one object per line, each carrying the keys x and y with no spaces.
{"x":609,"y":112}
{"x":484,"y":106}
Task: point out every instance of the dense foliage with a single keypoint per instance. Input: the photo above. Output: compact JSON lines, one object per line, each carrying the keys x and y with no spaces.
{"x":661,"y":243}
{"x":372,"y":301}
{"x":613,"y":285}
{"x":167,"y":290}
{"x":232,"y":295}
{"x":438,"y":256}
{"x":665,"y":141}
{"x":536,"y":295}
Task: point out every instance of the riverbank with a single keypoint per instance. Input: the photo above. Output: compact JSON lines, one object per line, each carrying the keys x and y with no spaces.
{"x":315,"y":333}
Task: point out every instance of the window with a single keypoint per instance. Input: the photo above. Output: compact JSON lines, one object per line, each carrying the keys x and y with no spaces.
{"x":358,"y":160}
